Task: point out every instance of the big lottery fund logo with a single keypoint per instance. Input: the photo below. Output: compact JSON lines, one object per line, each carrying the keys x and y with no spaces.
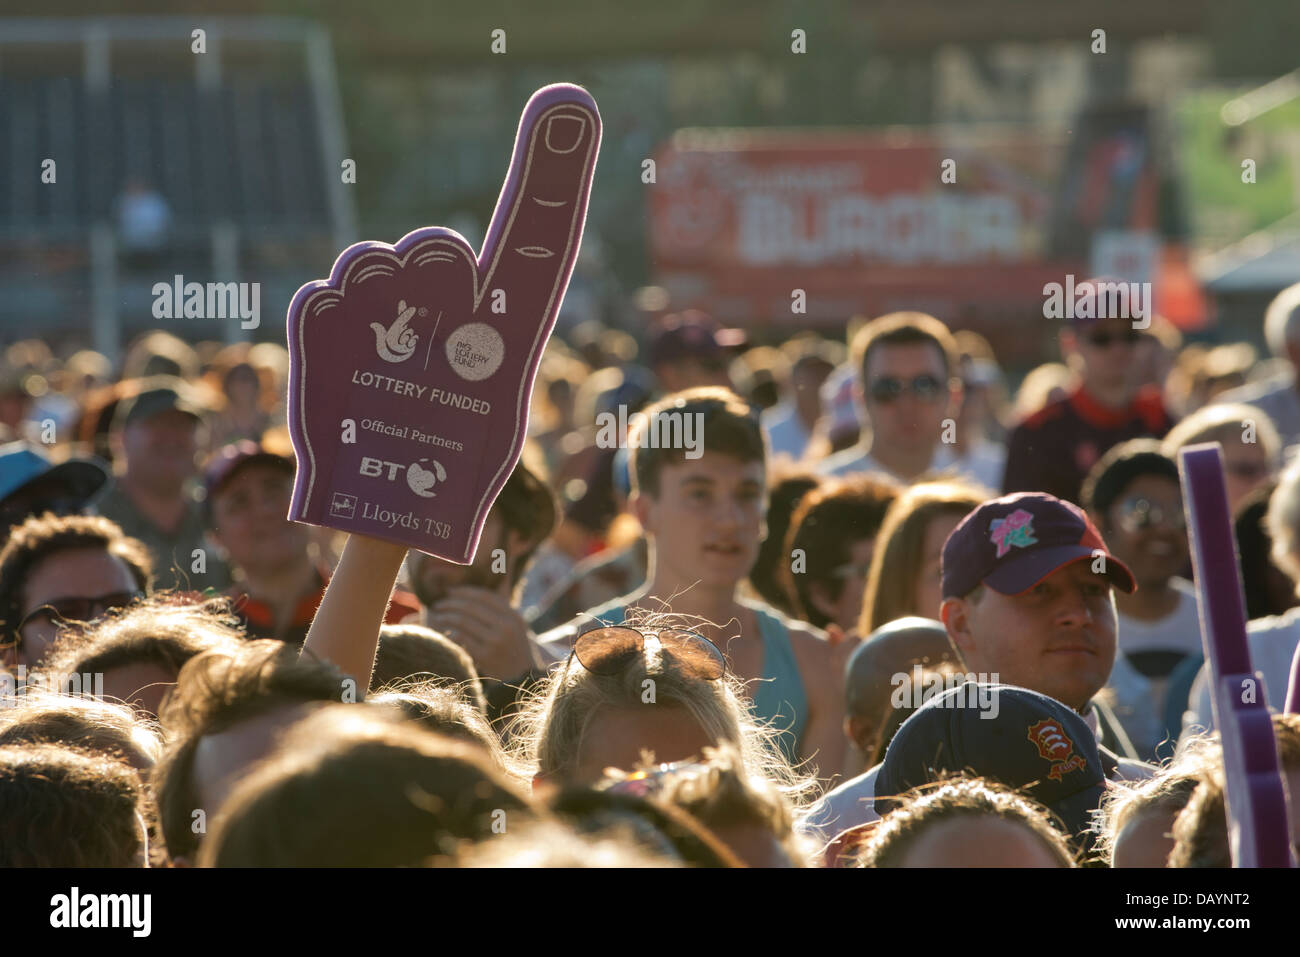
{"x":419,"y":479}
{"x":397,"y":342}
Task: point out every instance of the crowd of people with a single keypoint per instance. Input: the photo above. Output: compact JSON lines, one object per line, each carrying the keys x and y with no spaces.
{"x":886,"y":614}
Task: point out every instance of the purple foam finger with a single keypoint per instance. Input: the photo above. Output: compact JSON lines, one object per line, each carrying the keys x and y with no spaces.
{"x":1256,"y":801}
{"x":412,"y":366}
{"x":1293,"y":689}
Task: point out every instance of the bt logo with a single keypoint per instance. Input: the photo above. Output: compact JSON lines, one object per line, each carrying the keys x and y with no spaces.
{"x":419,"y":480}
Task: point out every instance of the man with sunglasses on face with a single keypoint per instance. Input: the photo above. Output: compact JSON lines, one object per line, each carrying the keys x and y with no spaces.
{"x":908,"y":390}
{"x":1053,"y":450}
{"x":57,"y":571}
{"x":1134,"y":496}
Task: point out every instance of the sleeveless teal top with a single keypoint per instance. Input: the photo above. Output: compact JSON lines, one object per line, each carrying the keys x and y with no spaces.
{"x":780,"y":700}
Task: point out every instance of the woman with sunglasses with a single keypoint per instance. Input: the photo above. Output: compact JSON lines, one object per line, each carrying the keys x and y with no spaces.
{"x":649,"y":687}
{"x":703,"y":511}
{"x":62,"y":571}
{"x":1134,"y":497}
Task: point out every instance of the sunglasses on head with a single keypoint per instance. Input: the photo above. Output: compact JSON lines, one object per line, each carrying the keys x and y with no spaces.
{"x":1103,"y":340}
{"x":607,"y":651}
{"x":78,"y":609}
{"x":1137,"y":514}
{"x":890,"y":388}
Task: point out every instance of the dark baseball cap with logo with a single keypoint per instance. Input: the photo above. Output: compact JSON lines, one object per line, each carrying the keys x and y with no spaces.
{"x":1017,"y":737}
{"x":1012,"y":543}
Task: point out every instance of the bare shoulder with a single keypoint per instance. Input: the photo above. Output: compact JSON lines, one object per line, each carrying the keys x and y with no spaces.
{"x":812,"y":649}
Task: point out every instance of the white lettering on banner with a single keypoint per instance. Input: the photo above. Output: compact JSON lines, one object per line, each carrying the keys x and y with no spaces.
{"x":903,"y":228}
{"x":384,"y":383}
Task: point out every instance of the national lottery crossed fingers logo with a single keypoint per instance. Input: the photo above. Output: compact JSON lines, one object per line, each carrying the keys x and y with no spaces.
{"x":412,"y":366}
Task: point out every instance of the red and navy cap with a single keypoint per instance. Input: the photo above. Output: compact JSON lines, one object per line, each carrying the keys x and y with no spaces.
{"x":1014,"y":542}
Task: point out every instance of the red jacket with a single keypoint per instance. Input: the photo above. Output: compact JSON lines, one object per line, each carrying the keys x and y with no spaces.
{"x":258,"y":617}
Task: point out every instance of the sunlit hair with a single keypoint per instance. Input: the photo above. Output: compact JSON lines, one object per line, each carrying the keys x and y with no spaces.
{"x":60,"y":807}
{"x":413,"y":653}
{"x":1201,"y":836}
{"x":437,"y":707}
{"x":217,"y":690}
{"x":1168,"y":792}
{"x":944,"y":801}
{"x":720,"y":793}
{"x":83,"y":722}
{"x":349,"y":787}
{"x":550,"y":730}
{"x":159,"y":630}
{"x":550,"y":844}
{"x":897,"y":560}
{"x":1283,"y":523}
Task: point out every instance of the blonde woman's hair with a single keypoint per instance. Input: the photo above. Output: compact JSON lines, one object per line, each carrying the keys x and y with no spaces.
{"x":548,"y":734}
{"x":896,"y":562}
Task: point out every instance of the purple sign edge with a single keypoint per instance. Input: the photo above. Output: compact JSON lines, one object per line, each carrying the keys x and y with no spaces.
{"x":543,"y":99}
{"x":1254,"y":794}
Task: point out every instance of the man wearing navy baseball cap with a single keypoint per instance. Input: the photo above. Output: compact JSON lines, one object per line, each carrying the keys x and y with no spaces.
{"x":1024,"y":740}
{"x":1027,"y":601}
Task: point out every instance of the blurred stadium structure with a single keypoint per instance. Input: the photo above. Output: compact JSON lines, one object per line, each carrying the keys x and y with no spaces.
{"x":243,"y":145}
{"x":233,"y":151}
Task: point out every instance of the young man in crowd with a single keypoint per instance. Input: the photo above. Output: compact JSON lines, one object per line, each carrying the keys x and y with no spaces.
{"x":63,"y":570}
{"x":157,"y":432}
{"x":278,"y":580}
{"x":1053,"y":450}
{"x":909,"y":392}
{"x":1027,"y":587}
{"x":703,"y":512}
